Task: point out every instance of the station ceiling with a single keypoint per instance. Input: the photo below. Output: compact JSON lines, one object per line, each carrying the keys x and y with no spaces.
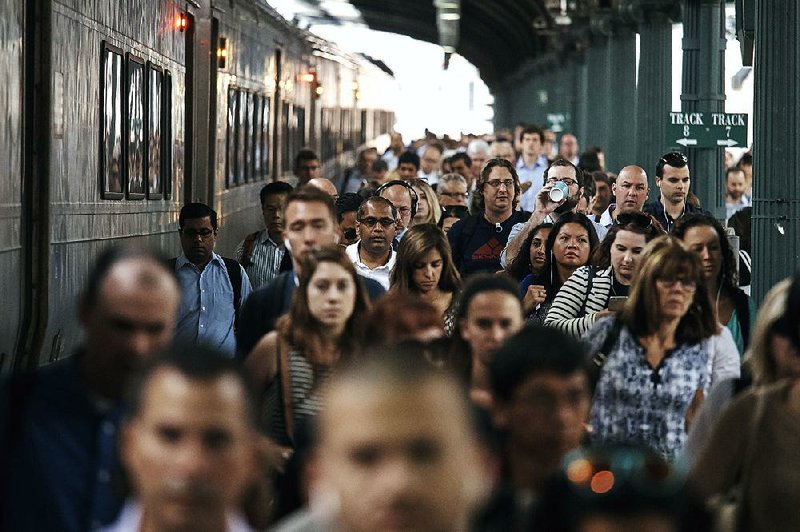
{"x":497,"y":36}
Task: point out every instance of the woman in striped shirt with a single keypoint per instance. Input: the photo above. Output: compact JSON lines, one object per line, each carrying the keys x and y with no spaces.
{"x":586,"y":295}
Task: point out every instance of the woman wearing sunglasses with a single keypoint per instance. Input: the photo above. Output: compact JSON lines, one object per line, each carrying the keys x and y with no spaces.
{"x":704,"y":236}
{"x":425,"y":268}
{"x":571,"y":242}
{"x":591,"y":290}
{"x":654,"y":359}
{"x":324,"y":325}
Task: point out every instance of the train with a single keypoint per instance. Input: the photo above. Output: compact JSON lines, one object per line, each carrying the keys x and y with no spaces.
{"x":115,"y":114}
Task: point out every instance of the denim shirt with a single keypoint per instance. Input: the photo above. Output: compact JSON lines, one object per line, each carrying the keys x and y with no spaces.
{"x":206,"y":311}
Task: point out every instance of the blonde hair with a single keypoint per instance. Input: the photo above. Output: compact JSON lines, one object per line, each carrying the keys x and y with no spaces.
{"x":434,"y":209}
{"x":759,"y":356}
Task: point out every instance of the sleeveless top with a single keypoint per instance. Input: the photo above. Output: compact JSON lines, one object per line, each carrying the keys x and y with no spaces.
{"x":306,"y":381}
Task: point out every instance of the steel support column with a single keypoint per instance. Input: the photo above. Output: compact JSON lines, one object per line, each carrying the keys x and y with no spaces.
{"x":621,"y":92}
{"x":776,"y":188}
{"x":703,"y":89}
{"x":599,"y":115}
{"x":654,"y":90}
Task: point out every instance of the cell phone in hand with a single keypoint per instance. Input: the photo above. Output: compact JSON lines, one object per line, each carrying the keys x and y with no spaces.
{"x":616,"y":303}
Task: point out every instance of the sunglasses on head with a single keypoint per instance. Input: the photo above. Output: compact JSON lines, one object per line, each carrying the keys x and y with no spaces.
{"x":639,"y":219}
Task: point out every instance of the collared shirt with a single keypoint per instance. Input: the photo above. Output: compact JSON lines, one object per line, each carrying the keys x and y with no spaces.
{"x":391,"y":160}
{"x":62,"y":472}
{"x":379,"y":273}
{"x":130,"y":520}
{"x":265,"y":259}
{"x":656,"y":209}
{"x":733,"y":208}
{"x":533,"y":175}
{"x":607,"y":218}
{"x":206,"y":312}
{"x":432,"y":179}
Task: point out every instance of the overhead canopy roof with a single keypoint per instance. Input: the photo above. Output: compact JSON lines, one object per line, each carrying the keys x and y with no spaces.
{"x":497,"y":36}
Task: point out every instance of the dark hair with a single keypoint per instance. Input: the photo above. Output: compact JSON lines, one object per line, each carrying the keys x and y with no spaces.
{"x":376,"y":200}
{"x":741,"y":222}
{"x":463,"y":157}
{"x":747,"y":159}
{"x":728,"y":279}
{"x":347,"y":202}
{"x":453,"y":211}
{"x":408,"y":157}
{"x":415,"y":245}
{"x":110,"y":257}
{"x":197,"y":363}
{"x":308,"y":193}
{"x":460,"y":354}
{"x":304,"y":154}
{"x":534,"y":349}
{"x":380,"y":166}
{"x":588,"y":161}
{"x":192,"y":211}
{"x":601,"y":258}
{"x":273,"y":189}
{"x":501,"y":163}
{"x":398,"y":316}
{"x":531,"y":129}
{"x":551,"y":269}
{"x":674,"y":159}
{"x":563,"y":162}
{"x":521,"y":265}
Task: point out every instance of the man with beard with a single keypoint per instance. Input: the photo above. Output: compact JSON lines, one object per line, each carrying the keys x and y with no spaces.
{"x":189,"y":444}
{"x":735,"y":200}
{"x":372,"y":255}
{"x":549,"y":211}
{"x":477,"y":240}
{"x":213,"y":287}
{"x":263,"y":254}
{"x":672,"y":177}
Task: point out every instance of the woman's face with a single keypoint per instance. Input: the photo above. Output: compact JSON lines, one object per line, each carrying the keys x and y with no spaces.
{"x":428,"y":271}
{"x":675,"y":295}
{"x":331,"y":295}
{"x":625,"y":253}
{"x":571,"y":247}
{"x":448,"y":223}
{"x":703,"y":241}
{"x":538,"y":257}
{"x":422,"y":206}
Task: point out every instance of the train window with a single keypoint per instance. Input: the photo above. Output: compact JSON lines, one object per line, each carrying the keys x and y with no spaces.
{"x":286,"y":138}
{"x":255,"y":141}
{"x":112,"y":113}
{"x":230,"y":152}
{"x":347,"y":140}
{"x":166,"y":135}
{"x":241,"y":141}
{"x":328,"y":142}
{"x":154,"y":176}
{"x":137,"y":150}
{"x":265,"y":128}
{"x":300,"y":128}
{"x":362,"y":130}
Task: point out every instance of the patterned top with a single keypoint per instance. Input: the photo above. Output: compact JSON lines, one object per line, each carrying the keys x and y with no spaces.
{"x":636,"y":404}
{"x":306,"y":380}
{"x":565,"y":312}
{"x":265,"y":259}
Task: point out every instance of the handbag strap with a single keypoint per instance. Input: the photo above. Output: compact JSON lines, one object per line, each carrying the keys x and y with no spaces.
{"x":286,"y":387}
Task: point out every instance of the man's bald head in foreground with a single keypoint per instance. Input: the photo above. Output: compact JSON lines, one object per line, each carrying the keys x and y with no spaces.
{"x":325,"y":185}
{"x":630,"y":189}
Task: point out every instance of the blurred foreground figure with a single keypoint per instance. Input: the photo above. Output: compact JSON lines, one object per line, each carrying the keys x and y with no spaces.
{"x":58,"y":425}
{"x":395,"y":451}
{"x":189,"y":445}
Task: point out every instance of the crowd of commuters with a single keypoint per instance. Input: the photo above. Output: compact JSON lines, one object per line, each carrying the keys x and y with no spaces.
{"x":485,"y":334}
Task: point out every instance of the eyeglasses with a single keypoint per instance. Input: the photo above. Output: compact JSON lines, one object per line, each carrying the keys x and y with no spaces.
{"x":567,"y":181}
{"x":674,"y":158}
{"x":639,"y":219}
{"x":192,"y":233}
{"x":455,"y":194}
{"x":671,"y":282}
{"x":371,"y":221}
{"x":495,"y":183}
{"x":602,"y":472}
{"x":350,"y":234}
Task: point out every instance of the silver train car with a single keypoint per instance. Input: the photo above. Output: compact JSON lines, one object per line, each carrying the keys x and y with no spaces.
{"x":115,"y":114}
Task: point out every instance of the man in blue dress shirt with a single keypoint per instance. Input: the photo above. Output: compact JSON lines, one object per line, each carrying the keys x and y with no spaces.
{"x":213,"y":287}
{"x":58,"y":425}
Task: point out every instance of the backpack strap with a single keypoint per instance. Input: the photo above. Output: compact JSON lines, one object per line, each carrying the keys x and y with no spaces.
{"x":599,"y":359}
{"x":235,"y":275}
{"x":589,"y":284}
{"x":286,"y":386}
{"x":247,"y":250}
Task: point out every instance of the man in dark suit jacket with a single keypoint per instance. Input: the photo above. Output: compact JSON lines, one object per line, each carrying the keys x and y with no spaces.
{"x":309,"y":222}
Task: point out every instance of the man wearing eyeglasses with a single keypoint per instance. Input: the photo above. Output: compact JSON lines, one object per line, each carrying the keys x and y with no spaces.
{"x":630,"y":191}
{"x":452,"y":190}
{"x":478,"y":240}
{"x":672,"y":177}
{"x":212,"y":287}
{"x":546,"y":210}
{"x":372,"y":255}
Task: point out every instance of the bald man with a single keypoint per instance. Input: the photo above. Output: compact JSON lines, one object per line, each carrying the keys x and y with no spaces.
{"x":59,"y":424}
{"x":630,"y":191}
{"x":326,"y":186}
